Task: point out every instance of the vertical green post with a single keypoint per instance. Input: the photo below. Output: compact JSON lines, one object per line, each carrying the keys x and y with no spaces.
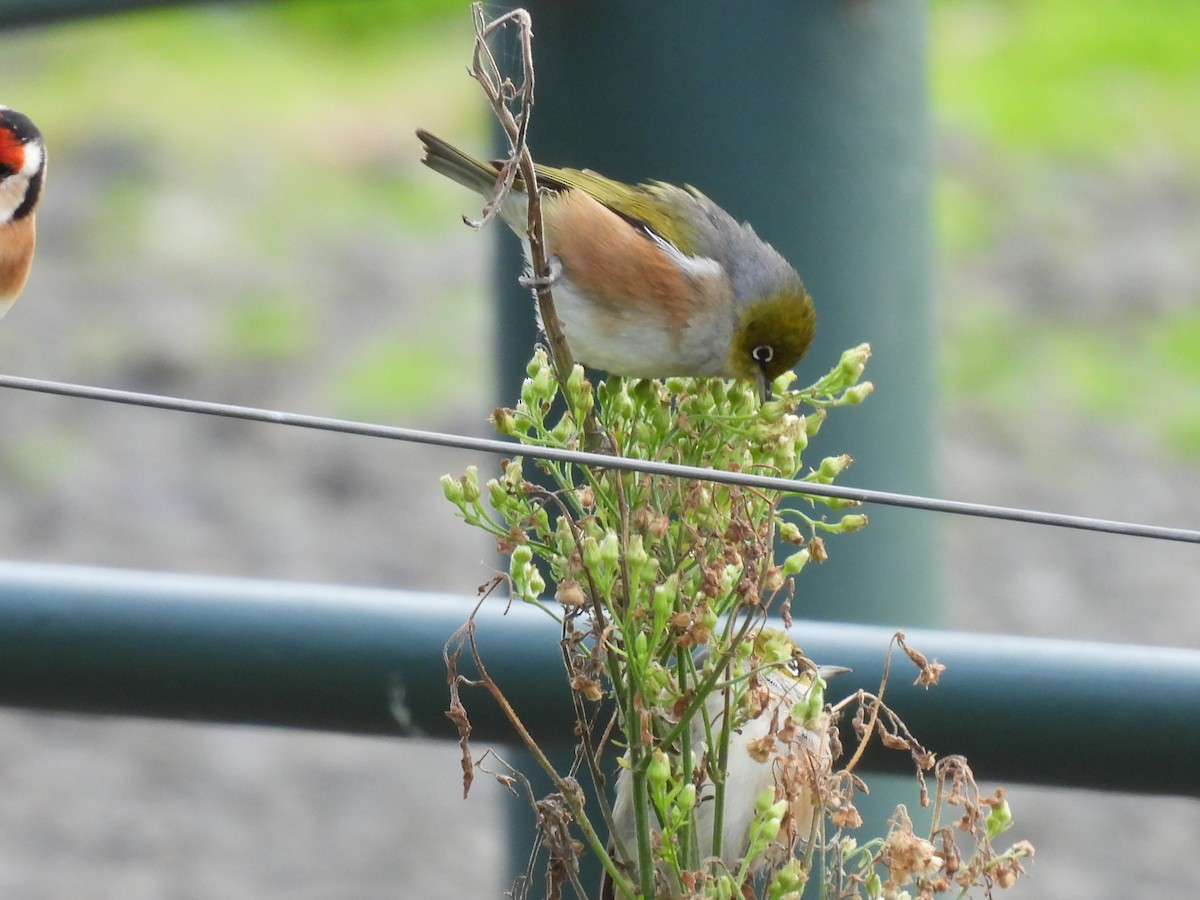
{"x":811,"y":121}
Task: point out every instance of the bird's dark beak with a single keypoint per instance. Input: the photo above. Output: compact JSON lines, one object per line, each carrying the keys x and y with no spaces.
{"x":763,"y":383}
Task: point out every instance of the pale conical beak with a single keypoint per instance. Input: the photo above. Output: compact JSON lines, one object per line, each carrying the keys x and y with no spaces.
{"x":827,"y":672}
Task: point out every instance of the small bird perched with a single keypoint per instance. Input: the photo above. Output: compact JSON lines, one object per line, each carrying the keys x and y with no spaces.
{"x":780,"y":741}
{"x":655,"y":280}
{"x":22,"y":171}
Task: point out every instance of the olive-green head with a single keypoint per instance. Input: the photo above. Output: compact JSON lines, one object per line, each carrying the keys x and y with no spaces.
{"x":771,"y":335}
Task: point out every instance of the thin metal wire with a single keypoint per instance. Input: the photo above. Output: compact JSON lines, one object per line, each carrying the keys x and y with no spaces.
{"x":508,"y":448}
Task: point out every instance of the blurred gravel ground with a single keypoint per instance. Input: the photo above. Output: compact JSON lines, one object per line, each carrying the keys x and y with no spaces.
{"x":132,"y":809}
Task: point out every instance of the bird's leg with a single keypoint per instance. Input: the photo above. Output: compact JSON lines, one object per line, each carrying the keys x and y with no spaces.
{"x":537,"y":283}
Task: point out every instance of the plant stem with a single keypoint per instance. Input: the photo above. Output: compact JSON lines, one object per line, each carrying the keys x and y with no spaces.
{"x":641,"y":796}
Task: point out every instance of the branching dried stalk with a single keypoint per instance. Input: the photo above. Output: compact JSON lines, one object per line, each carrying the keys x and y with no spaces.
{"x":500,"y":92}
{"x":569,"y":793}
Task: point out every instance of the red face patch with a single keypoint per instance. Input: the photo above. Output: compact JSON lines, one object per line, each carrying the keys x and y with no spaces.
{"x":12,"y":152}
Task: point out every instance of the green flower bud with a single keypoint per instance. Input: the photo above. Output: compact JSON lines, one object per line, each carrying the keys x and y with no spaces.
{"x":773,"y":820}
{"x":790,"y":532}
{"x":800,"y":434}
{"x":564,"y":429}
{"x":504,"y":420}
{"x":831,"y":467}
{"x":730,"y":576}
{"x":788,"y":883}
{"x":535,"y":584}
{"x":579,"y":393}
{"x":452,"y":490}
{"x":658,"y":770}
{"x":636,"y":555}
{"x":641,"y":644}
{"x":615,"y":401}
{"x":660,"y":420}
{"x":543,"y":384}
{"x":772,"y":411}
{"x":852,"y":522}
{"x":564,"y":538}
{"x":858,"y":393}
{"x":610,"y":549}
{"x":685,"y":800}
{"x":514,"y":475}
{"x":838,"y":503}
{"x":743,"y":399}
{"x":470,"y":484}
{"x":522,"y":556}
{"x":660,"y":682}
{"x":794,"y":563}
{"x":643,"y":392}
{"x":999,"y":819}
{"x":608,"y":391}
{"x":813,"y":421}
{"x":763,"y":434}
{"x":873,"y":885}
{"x":537,"y":362}
{"x":809,"y":708}
{"x":780,"y":385}
{"x":497,"y":496}
{"x":764,"y":801}
{"x":577,"y":382}
{"x":850,"y":366}
{"x":590,"y":550}
{"x":665,"y":595}
{"x":527,"y":581}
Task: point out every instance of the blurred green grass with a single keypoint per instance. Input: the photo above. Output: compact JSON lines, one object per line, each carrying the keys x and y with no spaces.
{"x":1143,"y":377}
{"x":416,"y":364}
{"x":1031,"y":97}
{"x":289,"y":123}
{"x":197,"y":78}
{"x":1093,"y":81}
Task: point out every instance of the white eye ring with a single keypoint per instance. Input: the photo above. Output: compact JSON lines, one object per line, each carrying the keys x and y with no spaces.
{"x":762,"y":354}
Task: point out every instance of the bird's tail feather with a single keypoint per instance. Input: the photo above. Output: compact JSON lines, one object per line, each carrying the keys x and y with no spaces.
{"x":448,"y":160}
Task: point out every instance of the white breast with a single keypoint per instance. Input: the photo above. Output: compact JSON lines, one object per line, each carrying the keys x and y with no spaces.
{"x":635,"y":347}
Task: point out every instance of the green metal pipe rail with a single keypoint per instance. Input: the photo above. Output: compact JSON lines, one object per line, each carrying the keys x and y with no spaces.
{"x":370,"y":661}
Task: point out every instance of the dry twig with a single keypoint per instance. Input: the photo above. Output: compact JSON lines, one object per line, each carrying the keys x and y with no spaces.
{"x":500,"y":91}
